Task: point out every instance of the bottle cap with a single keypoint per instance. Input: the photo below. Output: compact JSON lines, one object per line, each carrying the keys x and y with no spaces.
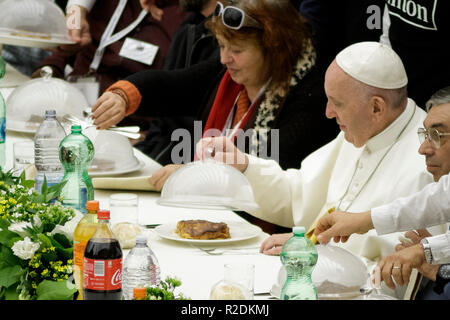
{"x":298,"y":230}
{"x":103,"y":214}
{"x":139,"y":292}
{"x":50,"y":113}
{"x":76,"y":128}
{"x":93,"y":205}
{"x":141,"y":239}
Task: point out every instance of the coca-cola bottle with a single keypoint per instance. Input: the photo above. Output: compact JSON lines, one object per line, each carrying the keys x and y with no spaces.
{"x":102,"y":263}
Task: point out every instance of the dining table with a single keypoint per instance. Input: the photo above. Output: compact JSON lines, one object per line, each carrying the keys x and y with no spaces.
{"x":197,"y":268}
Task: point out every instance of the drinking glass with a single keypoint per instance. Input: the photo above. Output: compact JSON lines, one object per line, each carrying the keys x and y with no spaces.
{"x":23,"y":153}
{"x":237,"y":284}
{"x":123,"y":208}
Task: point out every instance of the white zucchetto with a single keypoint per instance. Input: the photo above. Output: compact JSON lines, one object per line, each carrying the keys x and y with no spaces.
{"x":373,"y":63}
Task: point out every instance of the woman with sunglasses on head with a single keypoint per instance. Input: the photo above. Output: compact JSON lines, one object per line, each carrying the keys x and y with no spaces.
{"x":266,"y":79}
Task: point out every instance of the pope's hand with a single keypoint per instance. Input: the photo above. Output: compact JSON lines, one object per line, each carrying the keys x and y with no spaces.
{"x":223,"y":150}
{"x":273,"y":244}
{"x":341,"y":225}
{"x":150,"y":6}
{"x":108,"y":110}
{"x":400,"y":264}
{"x":159,"y":178}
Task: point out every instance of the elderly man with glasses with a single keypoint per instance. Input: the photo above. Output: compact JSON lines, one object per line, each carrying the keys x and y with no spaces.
{"x":429,"y":207}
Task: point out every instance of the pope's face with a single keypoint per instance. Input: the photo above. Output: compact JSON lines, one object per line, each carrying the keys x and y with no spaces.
{"x":437,"y":160}
{"x":349,"y":105}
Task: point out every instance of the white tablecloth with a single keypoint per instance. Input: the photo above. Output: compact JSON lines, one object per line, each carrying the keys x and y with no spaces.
{"x":197,"y":270}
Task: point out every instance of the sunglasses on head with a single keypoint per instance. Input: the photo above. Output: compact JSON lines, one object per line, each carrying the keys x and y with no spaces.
{"x":234,"y":17}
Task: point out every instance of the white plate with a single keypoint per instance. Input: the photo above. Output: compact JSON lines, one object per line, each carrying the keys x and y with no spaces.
{"x":137,"y":167}
{"x":32,"y":42}
{"x":21,"y":130}
{"x":238,"y":232}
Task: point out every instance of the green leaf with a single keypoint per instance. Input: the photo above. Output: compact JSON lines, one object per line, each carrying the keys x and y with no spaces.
{"x":28,"y":184}
{"x":7,"y":257}
{"x":44,"y":186}
{"x":10,"y":275}
{"x":54,"y":290}
{"x":62,"y":239}
{"x":11,"y":293}
{"x":66,"y":253}
{"x":6,"y":236}
{"x":46,"y":242}
{"x":4,"y":224}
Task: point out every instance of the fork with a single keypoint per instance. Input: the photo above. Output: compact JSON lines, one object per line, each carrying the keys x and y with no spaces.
{"x":217,"y":251}
{"x":130,"y":131}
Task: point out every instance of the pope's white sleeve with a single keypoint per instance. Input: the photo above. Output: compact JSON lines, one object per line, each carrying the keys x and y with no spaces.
{"x":426,"y":208}
{"x":440,"y":248}
{"x":88,"y":4}
{"x":272,"y":191}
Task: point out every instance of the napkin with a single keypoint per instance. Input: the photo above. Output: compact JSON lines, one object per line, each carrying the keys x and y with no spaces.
{"x":123,"y":183}
{"x":138,"y":181}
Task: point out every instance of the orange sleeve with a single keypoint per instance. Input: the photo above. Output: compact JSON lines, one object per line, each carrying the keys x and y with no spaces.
{"x":132,"y":93}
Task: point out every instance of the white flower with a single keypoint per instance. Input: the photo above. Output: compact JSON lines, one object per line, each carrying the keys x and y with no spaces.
{"x":19,"y":228}
{"x":25,"y":249}
{"x":69,"y":227}
{"x":37,"y":221}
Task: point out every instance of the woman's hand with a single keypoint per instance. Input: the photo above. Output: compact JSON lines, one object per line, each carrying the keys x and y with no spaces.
{"x":108,"y":110}
{"x":159,"y":178}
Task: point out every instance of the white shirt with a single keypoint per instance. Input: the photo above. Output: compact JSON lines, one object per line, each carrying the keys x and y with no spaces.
{"x":426,"y":208}
{"x":299,"y":197}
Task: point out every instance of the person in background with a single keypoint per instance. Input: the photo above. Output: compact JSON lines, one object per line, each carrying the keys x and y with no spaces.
{"x":366,"y":90}
{"x":116,"y":62}
{"x":338,"y":24}
{"x":191,"y":44}
{"x":416,"y":31}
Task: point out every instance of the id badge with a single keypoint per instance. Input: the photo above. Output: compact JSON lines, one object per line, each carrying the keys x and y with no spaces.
{"x":139,"y":51}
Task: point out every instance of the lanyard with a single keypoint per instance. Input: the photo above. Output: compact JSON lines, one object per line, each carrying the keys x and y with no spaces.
{"x":108,"y":38}
{"x":226,"y":129}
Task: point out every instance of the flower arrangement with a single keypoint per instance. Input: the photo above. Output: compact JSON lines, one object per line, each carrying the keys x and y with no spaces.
{"x":36,"y":241}
{"x":165,"y":290}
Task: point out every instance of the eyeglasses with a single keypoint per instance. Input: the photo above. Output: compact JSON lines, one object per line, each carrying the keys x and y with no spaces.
{"x":234,"y":17}
{"x":432,"y":135}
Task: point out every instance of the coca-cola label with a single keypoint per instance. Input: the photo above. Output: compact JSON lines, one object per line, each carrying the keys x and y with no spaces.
{"x":102,"y":274}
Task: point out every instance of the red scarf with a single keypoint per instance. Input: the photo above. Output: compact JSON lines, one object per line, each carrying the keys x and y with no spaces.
{"x":223,"y":105}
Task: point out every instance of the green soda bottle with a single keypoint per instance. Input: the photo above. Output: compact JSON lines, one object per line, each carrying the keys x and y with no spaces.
{"x":76,"y":153}
{"x":298,"y":256}
{"x":2,"y":119}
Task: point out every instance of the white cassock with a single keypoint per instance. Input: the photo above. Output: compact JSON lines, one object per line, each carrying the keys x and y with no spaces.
{"x":351,"y":179}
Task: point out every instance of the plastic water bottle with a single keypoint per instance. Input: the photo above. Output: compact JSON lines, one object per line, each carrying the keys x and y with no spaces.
{"x":298,"y":256}
{"x":141,"y":268}
{"x":46,"y":144}
{"x":2,"y":119}
{"x":76,"y":153}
